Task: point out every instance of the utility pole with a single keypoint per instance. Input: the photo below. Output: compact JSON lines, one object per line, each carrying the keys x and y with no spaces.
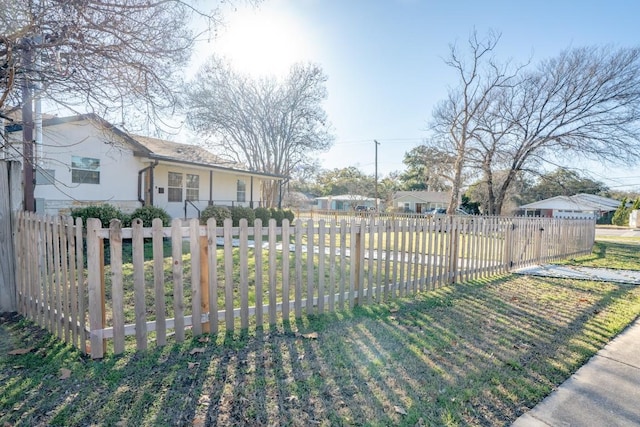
{"x":376,"y":162}
{"x":27,"y":127}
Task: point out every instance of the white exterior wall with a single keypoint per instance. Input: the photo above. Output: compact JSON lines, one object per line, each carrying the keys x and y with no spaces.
{"x":224,"y":189}
{"x":118,"y":169}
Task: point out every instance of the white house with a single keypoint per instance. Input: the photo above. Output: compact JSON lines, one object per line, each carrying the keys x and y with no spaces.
{"x":85,"y":160}
{"x":345,"y":202}
{"x":419,"y":201}
{"x":588,"y":206}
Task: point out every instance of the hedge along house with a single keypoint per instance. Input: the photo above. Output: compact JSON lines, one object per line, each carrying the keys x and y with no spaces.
{"x":85,"y":160}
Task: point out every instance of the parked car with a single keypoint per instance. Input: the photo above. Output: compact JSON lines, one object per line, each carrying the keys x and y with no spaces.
{"x":363,"y":208}
{"x":443,"y":211}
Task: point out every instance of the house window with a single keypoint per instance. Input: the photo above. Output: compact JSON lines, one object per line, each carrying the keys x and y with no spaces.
{"x":242,"y":191}
{"x":174,"y":187}
{"x":193,"y":187}
{"x":85,"y":170}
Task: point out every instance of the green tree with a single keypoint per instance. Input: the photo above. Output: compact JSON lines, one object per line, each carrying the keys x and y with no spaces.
{"x":428,"y":168}
{"x":562,"y":182}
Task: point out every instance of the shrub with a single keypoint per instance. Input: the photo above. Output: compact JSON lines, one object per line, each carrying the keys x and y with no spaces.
{"x":278,"y":215}
{"x":105,"y":213}
{"x":148,"y":213}
{"x":220,"y":213}
{"x":263,"y":214}
{"x":288,"y":214}
{"x":621,"y":216}
{"x":239,"y":212}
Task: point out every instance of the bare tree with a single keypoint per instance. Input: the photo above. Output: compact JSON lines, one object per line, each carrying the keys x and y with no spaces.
{"x":456,"y":120}
{"x":103,"y":55}
{"x":270,"y":125}
{"x":585,"y":103}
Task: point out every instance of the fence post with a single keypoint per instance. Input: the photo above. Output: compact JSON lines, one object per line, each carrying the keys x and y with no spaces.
{"x":454,"y":235}
{"x":538,"y":244}
{"x":95,"y":262}
{"x":508,"y":243}
{"x":8,"y":301}
{"x":357,"y":264}
{"x":204,"y":282}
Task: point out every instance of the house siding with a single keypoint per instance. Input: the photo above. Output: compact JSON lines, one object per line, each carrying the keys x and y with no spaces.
{"x":82,"y":139}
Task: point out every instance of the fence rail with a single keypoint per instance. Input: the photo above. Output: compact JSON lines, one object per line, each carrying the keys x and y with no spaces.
{"x":95,"y":286}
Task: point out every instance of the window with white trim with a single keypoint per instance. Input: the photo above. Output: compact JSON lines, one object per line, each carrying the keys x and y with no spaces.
{"x":85,"y":170}
{"x":193,"y":187}
{"x":174,"y":187}
{"x":242,"y":191}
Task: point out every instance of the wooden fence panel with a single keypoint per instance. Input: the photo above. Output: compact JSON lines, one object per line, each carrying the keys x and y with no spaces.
{"x":379,"y":258}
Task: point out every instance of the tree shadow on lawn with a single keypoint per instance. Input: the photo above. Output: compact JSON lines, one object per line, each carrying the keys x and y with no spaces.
{"x":478,"y":353}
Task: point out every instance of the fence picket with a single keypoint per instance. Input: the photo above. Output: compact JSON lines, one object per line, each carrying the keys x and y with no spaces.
{"x":82,"y":289}
{"x":310,"y":267}
{"x":298,"y":258}
{"x":257,"y":238}
{"x":94,"y":287}
{"x":196,"y":292}
{"x":244,"y":273}
{"x":158,"y":281}
{"x":213,"y":274}
{"x":178,"y":281}
{"x":228,"y":274}
{"x":321,"y":262}
{"x":140,"y":309}
{"x":286,"y":230}
{"x":117,"y":287}
{"x":273,"y":271}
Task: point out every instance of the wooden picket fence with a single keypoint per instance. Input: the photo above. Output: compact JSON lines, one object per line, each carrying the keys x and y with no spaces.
{"x":216,"y":277}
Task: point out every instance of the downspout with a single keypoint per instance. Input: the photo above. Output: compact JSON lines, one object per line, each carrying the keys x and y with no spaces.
{"x":140,"y":192}
{"x":210,"y":188}
{"x":251,"y":196}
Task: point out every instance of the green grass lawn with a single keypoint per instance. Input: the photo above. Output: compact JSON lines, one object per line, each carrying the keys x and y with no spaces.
{"x":478,"y":353}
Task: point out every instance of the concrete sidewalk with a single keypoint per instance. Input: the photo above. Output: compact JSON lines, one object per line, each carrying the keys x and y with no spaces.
{"x":604,"y":392}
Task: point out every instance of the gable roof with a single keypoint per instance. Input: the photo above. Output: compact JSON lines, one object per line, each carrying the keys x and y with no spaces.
{"x":578,"y":202}
{"x":154,"y":148}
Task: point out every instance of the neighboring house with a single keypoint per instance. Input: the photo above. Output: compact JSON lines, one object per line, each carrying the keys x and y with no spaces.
{"x":85,"y":160}
{"x":419,"y":201}
{"x":588,"y":206}
{"x":345,"y":202}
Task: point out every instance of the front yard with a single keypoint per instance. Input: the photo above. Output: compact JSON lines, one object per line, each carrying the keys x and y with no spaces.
{"x":478,"y":353}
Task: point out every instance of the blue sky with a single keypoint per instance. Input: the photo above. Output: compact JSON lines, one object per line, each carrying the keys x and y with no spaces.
{"x":384,"y":58}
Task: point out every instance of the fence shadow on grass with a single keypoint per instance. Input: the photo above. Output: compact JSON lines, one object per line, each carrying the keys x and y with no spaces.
{"x":477,"y":353}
